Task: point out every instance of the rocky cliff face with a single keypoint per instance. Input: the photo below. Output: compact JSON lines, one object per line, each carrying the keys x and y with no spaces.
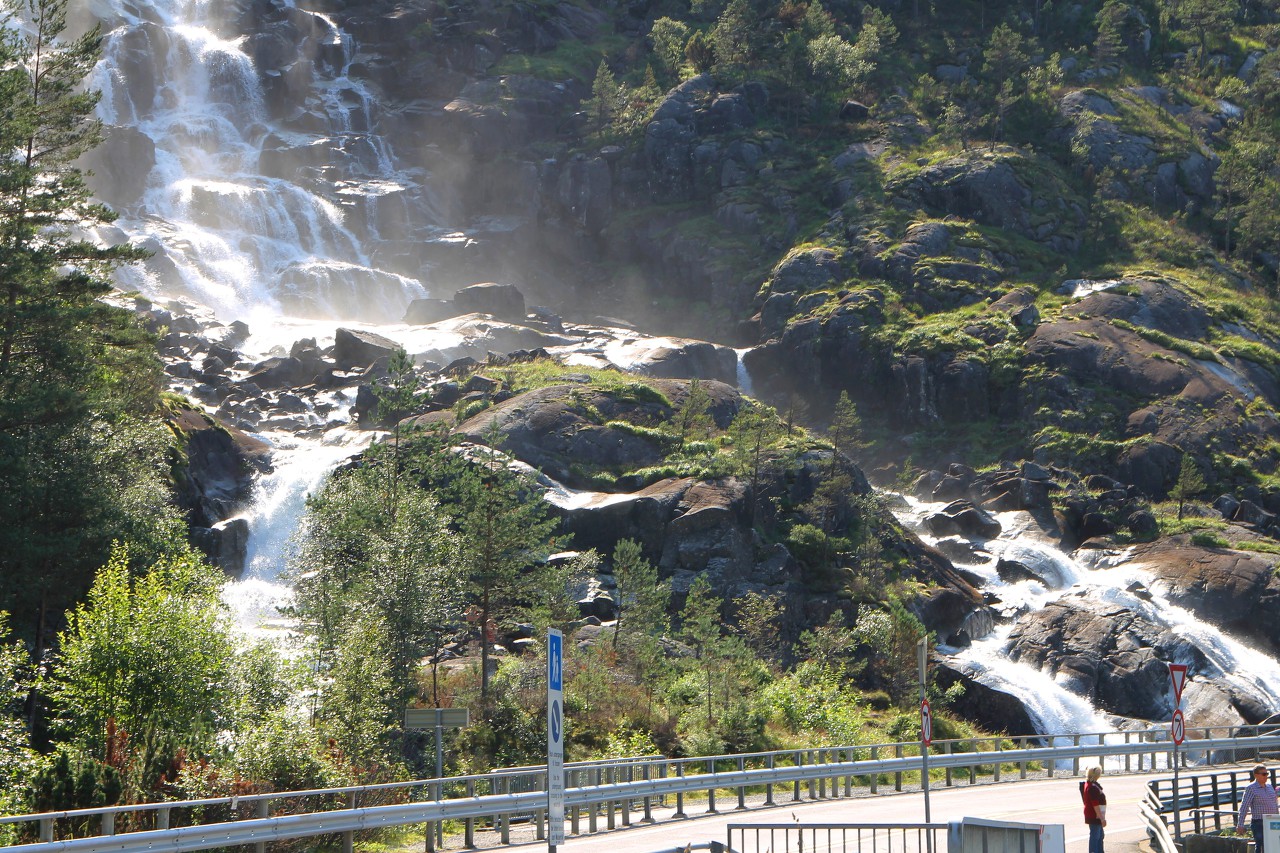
{"x":937,"y":280}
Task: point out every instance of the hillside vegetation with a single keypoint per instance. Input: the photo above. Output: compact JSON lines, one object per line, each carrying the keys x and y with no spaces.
{"x":1023,"y":255}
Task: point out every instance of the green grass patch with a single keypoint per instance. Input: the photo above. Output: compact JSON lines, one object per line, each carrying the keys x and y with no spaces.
{"x":1192,"y":348}
{"x":543,"y":372}
{"x":570,"y":58}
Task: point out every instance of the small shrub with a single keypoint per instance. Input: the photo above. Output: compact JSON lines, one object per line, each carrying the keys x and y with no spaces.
{"x":1207,"y":539}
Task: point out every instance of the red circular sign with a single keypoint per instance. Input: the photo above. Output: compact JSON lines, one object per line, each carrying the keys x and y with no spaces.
{"x":1178,"y":727}
{"x":926,"y":722}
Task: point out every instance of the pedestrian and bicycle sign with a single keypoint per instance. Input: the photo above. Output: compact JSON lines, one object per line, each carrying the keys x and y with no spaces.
{"x":555,"y":739}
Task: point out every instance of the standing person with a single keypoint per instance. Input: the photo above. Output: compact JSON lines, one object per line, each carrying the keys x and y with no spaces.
{"x":1095,"y":807}
{"x":1259,"y":800}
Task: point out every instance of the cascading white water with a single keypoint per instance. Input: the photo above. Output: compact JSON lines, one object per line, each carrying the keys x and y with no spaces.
{"x":261,"y":215}
{"x":744,"y":375}
{"x":302,"y":465}
{"x":241,"y":221}
{"x":1111,"y":578}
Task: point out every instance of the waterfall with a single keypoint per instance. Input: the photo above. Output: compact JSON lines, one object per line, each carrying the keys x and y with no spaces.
{"x":1111,"y":578}
{"x":265,"y":196}
{"x":249,"y":206}
{"x":280,"y":499}
{"x":744,"y":375}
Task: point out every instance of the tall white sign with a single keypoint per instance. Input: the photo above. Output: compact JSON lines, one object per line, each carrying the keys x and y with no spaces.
{"x":555,"y":739}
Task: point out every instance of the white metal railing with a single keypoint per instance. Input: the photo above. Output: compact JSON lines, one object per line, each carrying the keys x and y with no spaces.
{"x":970,"y":835}
{"x":612,"y":789}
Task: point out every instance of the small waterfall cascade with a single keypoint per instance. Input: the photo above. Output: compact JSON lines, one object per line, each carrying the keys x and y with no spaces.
{"x":1113,"y":580}
{"x":744,"y":375}
{"x":302,"y":464}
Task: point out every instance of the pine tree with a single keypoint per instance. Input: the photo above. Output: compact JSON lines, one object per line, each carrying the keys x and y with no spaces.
{"x":72,"y":369}
{"x":1190,"y":482}
{"x":505,"y":530}
{"x":603,"y":106}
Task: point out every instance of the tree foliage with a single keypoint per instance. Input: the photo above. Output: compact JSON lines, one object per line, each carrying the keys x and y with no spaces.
{"x":143,"y":665}
{"x":73,"y":370}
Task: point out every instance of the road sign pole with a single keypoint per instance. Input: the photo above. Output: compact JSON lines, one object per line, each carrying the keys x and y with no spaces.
{"x":1177,"y":731}
{"x":555,"y":739}
{"x":926,"y":734}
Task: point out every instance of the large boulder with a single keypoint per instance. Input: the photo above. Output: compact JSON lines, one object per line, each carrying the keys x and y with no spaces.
{"x":504,"y":301}
{"x":1236,"y":590}
{"x":1117,"y":658}
{"x":354,"y":348}
{"x":217,"y":466}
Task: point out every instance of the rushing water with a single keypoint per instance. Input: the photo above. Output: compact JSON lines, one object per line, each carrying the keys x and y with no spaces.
{"x":1112,"y":578}
{"x":240,"y":218}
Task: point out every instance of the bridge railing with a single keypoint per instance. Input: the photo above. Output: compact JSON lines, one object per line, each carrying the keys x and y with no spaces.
{"x":1196,"y":805}
{"x":609,"y":791}
{"x":970,"y":835}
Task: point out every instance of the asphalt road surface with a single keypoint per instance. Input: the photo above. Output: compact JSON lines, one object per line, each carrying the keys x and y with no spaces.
{"x":1045,"y":801}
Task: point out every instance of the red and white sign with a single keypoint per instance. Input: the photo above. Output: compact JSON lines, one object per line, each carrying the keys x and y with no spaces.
{"x":1178,"y":727}
{"x":926,"y":722}
{"x":1178,"y":675}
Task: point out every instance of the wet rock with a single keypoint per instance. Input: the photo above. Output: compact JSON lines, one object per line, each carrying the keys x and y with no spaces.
{"x":993,"y":709}
{"x":504,"y":301}
{"x":277,"y":373}
{"x":963,"y":518}
{"x":352,"y":348}
{"x":424,"y":311}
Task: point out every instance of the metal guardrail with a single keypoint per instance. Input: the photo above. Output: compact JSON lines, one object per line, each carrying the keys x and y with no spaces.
{"x":1194,"y":806}
{"x":609,"y":790}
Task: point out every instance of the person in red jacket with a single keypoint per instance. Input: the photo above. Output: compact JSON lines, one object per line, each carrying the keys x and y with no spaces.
{"x":1095,"y":807}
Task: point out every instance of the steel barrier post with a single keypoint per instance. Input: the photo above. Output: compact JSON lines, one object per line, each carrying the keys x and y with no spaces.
{"x":540,"y":816}
{"x":742,"y":789}
{"x":711,"y":792}
{"x":46,"y":829}
{"x":108,"y":823}
{"x":813,"y":784}
{"x":162,"y":818}
{"x":263,"y":811}
{"x":996,"y":771}
{"x":946,"y":750}
{"x":768,"y":789}
{"x":504,"y":819}
{"x":680,"y":793}
{"x":1022,"y":762}
{"x":798,"y":760}
{"x":469,"y":825}
{"x":1075,"y":762}
{"x":348,"y":841}
{"x":648,"y":801}
{"x":593,"y":807}
{"x":626,"y":801}
{"x":573,"y":778}
{"x":1052,"y":763}
{"x":611,"y":775}
{"x":1126,"y":755}
{"x":822,"y":780}
{"x":875,"y":776}
{"x":897,"y":777}
{"x":848,"y":780}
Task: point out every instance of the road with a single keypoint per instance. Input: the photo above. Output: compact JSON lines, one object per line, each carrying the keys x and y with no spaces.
{"x":1047,"y":801}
